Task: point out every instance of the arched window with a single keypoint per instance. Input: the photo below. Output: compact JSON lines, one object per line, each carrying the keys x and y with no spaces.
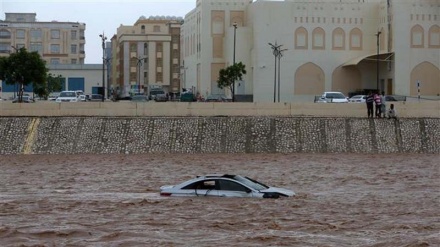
{"x":318,"y":39}
{"x":417,"y":39}
{"x":338,"y":39}
{"x":301,"y":38}
{"x":434,"y":37}
{"x":355,"y":39}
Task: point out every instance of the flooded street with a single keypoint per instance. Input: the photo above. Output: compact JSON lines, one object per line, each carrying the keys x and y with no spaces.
{"x":113,"y":200}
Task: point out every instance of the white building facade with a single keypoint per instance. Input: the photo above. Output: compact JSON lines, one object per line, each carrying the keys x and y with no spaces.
{"x":329,"y":45}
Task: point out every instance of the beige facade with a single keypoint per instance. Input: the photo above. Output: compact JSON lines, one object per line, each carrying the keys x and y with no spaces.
{"x":57,"y":42}
{"x":331,"y":45}
{"x":147,"y":55}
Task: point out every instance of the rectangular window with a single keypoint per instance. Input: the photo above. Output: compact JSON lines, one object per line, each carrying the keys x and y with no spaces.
{"x":55,"y":48}
{"x":133,"y":62}
{"x":73,"y":35}
{"x":133,"y":48}
{"x":159,"y":47}
{"x":20,"y":34}
{"x":36,"y":34}
{"x":5,"y":34}
{"x":73,"y":49}
{"x":156,"y":29}
{"x":73,"y":61}
{"x":54,"y":61}
{"x":19,"y":46}
{"x":55,"y":34}
{"x":38,"y":47}
{"x":5,"y":47}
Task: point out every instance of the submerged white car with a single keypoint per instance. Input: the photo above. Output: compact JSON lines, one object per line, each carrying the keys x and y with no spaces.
{"x":224,"y":185}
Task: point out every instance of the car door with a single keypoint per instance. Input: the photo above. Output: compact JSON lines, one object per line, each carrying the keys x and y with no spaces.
{"x":205,"y":187}
{"x":229,"y":188}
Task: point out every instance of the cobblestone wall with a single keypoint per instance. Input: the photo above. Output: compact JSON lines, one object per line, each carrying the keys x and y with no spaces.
{"x":73,"y":135}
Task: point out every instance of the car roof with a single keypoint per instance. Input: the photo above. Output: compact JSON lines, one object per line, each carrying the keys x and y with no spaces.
{"x":333,"y":92}
{"x":216,"y":175}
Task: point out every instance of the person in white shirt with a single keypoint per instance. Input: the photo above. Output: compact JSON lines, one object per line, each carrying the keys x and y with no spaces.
{"x":392,"y":112}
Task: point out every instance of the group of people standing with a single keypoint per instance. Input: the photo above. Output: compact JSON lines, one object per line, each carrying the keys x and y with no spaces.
{"x":377,"y":101}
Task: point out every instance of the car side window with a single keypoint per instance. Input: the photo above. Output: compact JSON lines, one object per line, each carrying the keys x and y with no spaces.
{"x":201,"y":185}
{"x":231,"y":186}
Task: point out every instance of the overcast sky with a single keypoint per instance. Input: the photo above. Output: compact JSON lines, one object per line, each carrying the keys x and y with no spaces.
{"x":98,"y":15}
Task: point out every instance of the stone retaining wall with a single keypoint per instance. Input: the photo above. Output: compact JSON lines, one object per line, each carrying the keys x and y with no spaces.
{"x":101,"y":135}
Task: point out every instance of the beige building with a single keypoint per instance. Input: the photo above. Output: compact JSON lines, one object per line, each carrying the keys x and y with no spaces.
{"x":57,"y":42}
{"x":329,"y":45}
{"x":147,"y":55}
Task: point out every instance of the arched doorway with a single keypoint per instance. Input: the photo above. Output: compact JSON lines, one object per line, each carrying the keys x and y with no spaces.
{"x":429,"y":77}
{"x":309,"y":80}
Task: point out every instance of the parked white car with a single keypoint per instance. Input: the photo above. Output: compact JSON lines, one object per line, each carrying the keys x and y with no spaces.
{"x":224,"y":185}
{"x":333,"y":97}
{"x":357,"y":99}
{"x":53,"y":96}
{"x":67,"y":96}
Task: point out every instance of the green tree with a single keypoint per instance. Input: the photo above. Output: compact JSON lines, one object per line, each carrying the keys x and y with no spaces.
{"x":229,"y":75}
{"x":52,"y":84}
{"x":24,"y":68}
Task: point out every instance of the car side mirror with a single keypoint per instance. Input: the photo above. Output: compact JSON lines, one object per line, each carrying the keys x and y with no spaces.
{"x":248,"y":190}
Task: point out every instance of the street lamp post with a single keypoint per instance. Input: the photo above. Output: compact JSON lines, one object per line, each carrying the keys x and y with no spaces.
{"x":184,"y":75}
{"x":139,"y":64}
{"x":107,"y":62}
{"x":15,"y":82}
{"x":377,"y":61}
{"x":103,"y":38}
{"x":275,"y":51}
{"x":233,"y":62}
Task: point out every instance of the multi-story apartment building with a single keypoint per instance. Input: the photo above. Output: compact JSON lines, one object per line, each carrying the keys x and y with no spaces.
{"x":329,"y":45}
{"x":56,"y":42}
{"x":147,"y":55}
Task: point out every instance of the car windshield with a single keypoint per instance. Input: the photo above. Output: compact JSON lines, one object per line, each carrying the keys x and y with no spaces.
{"x":335,"y":96}
{"x":155,"y":92}
{"x":250,"y":182}
{"x":67,"y":94}
{"x":357,"y":97}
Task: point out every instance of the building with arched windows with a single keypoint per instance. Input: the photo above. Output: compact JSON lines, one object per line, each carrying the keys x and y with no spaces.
{"x":328,"y":45}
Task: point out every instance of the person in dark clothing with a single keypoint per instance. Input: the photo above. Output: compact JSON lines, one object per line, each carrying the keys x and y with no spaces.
{"x":370,"y":104}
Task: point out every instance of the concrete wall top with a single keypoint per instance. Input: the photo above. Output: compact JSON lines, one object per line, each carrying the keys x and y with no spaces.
{"x":430,"y":109}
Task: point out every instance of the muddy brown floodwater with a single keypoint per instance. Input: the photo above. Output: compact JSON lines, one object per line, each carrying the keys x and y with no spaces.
{"x":113,"y":200}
